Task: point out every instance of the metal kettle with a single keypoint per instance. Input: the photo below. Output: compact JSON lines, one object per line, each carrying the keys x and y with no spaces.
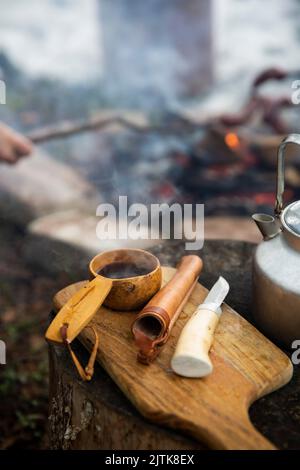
{"x":276,"y":266}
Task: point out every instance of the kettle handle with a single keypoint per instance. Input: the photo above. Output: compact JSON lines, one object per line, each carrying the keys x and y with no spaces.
{"x":290,"y":139}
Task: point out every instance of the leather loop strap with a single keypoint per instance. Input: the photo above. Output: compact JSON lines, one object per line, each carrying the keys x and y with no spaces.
{"x":148,"y":352}
{"x":85,"y":373}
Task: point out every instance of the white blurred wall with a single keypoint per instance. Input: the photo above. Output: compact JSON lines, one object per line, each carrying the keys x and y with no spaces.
{"x":58,"y":38}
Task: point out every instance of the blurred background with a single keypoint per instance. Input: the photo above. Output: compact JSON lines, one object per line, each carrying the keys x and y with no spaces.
{"x":162,"y":101}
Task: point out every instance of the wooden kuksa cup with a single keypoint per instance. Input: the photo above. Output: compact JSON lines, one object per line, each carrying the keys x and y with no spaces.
{"x":130,"y":293}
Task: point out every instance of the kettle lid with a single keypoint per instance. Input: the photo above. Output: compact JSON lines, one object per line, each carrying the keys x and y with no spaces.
{"x":291,"y":217}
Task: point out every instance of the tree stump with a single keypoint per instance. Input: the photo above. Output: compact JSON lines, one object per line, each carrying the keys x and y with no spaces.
{"x":96,"y":415}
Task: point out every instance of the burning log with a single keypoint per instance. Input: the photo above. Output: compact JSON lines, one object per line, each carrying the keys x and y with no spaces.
{"x":273,"y":73}
{"x":269,"y":108}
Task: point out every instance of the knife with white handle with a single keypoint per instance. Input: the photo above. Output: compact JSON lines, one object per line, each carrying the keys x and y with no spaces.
{"x":191,"y":355}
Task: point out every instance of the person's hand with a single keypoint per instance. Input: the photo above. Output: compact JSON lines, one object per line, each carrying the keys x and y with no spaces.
{"x":13,"y":145}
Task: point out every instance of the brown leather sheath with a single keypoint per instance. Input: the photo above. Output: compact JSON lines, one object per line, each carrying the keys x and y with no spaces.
{"x":152,"y":326}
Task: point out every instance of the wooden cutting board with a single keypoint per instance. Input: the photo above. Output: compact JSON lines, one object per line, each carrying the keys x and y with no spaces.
{"x":214,"y":409}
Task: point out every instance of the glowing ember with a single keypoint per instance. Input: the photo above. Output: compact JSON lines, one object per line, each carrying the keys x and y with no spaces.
{"x":232,"y":140}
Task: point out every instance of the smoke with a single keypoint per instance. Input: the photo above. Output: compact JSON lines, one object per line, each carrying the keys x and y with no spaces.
{"x":155,"y":53}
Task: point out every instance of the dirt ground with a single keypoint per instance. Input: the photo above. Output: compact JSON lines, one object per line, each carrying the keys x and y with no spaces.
{"x":25,"y":303}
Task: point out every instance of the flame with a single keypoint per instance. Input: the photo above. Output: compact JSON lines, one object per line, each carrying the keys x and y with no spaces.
{"x":232,"y":140}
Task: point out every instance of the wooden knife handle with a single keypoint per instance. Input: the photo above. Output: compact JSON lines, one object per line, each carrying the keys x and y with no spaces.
{"x":191,"y":355}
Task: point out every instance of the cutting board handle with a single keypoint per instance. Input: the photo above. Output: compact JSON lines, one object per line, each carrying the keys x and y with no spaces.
{"x":253,"y":439}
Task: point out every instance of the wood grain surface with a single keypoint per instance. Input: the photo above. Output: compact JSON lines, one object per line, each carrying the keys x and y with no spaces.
{"x":214,"y":410}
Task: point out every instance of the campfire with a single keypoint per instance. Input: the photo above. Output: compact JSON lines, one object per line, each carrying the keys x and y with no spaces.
{"x":227,"y":162}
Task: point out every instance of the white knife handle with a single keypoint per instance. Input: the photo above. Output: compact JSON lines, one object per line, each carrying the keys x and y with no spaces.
{"x":191,"y":355}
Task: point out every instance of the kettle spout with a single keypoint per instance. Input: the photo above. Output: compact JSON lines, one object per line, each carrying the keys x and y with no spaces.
{"x":267,"y":224}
